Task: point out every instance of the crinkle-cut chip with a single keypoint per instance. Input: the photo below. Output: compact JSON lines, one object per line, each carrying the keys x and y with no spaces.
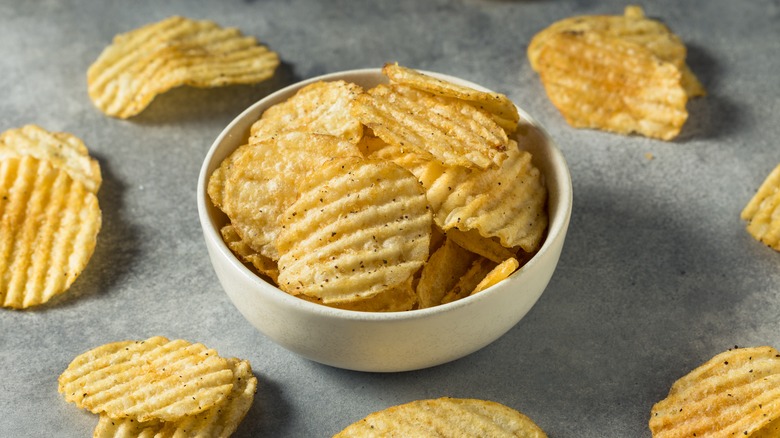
{"x":63,"y":150}
{"x":261,"y":263}
{"x":319,"y":108}
{"x":260,"y":180}
{"x":476,"y":243}
{"x":445,"y":417}
{"x":216,"y":185}
{"x":398,"y":299}
{"x":155,"y":379}
{"x":442,"y":272}
{"x":49,"y":224}
{"x":499,"y":273}
{"x":736,"y":393}
{"x":632,"y":27}
{"x":763,"y":211}
{"x":607,"y":83}
{"x":177,"y":51}
{"x":217,"y":422}
{"x":508,"y":203}
{"x":498,"y":105}
{"x":452,"y":131}
{"x":358,"y":227}
{"x":452,"y":190}
{"x":468,"y":282}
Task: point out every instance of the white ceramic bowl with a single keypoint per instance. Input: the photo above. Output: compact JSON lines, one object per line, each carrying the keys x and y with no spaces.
{"x":384,"y":342}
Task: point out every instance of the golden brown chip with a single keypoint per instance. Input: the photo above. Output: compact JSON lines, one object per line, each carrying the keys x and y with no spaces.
{"x":474,"y":242}
{"x":442,"y":272}
{"x":318,"y":108}
{"x":151,"y":60}
{"x":499,"y":273}
{"x":451,"y":131}
{"x":155,"y":379}
{"x":49,"y":224}
{"x":60,"y":149}
{"x":258,"y":182}
{"x":445,"y":417}
{"x":217,"y":422}
{"x":763,"y":211}
{"x":397,"y":299}
{"x":503,"y":111}
{"x":633,"y":27}
{"x":607,"y":83}
{"x":625,"y":74}
{"x":469,"y":281}
{"x":261,"y":263}
{"x":508,"y":203}
{"x":358,"y":227}
{"x":736,"y":393}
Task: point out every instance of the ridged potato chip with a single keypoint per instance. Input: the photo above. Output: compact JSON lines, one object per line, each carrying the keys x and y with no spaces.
{"x":469,"y":281}
{"x":736,"y":393}
{"x":610,"y":84}
{"x":61,"y":149}
{"x":489,"y":248}
{"x":318,"y":108}
{"x":218,"y":422}
{"x":359,"y":227}
{"x":499,"y":273}
{"x":633,"y":27}
{"x":508,"y":203}
{"x":261,"y":263}
{"x":763,"y":211}
{"x":177,"y":51}
{"x":49,"y":223}
{"x":442,"y":272}
{"x":257,"y":182}
{"x":397,"y":299}
{"x":155,"y":379}
{"x":624,"y":74}
{"x":445,"y":417}
{"x":452,"y":131}
{"x":498,"y":105}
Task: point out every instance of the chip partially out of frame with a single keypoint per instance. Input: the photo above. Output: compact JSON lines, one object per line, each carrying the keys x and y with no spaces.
{"x":763,"y":211}
{"x":49,"y":214}
{"x":445,"y":417}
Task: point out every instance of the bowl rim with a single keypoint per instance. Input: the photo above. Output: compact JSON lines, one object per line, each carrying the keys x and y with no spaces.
{"x":556,"y":228}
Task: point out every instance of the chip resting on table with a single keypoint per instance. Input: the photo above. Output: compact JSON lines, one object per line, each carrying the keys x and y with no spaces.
{"x":217,"y":422}
{"x":49,"y":214}
{"x":625,"y":74}
{"x":736,"y":393}
{"x":445,"y":417}
{"x":150,"y":60}
{"x":154,"y":379}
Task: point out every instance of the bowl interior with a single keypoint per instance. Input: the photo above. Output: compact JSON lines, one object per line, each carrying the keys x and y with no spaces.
{"x":546,"y":156}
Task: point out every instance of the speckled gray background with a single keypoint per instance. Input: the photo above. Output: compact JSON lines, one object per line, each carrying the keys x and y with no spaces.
{"x":657,"y":274}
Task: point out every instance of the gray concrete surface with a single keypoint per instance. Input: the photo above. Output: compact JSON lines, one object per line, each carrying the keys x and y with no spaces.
{"x":657,"y":274}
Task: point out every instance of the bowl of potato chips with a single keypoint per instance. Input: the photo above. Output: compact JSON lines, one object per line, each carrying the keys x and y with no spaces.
{"x":384,"y":219}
